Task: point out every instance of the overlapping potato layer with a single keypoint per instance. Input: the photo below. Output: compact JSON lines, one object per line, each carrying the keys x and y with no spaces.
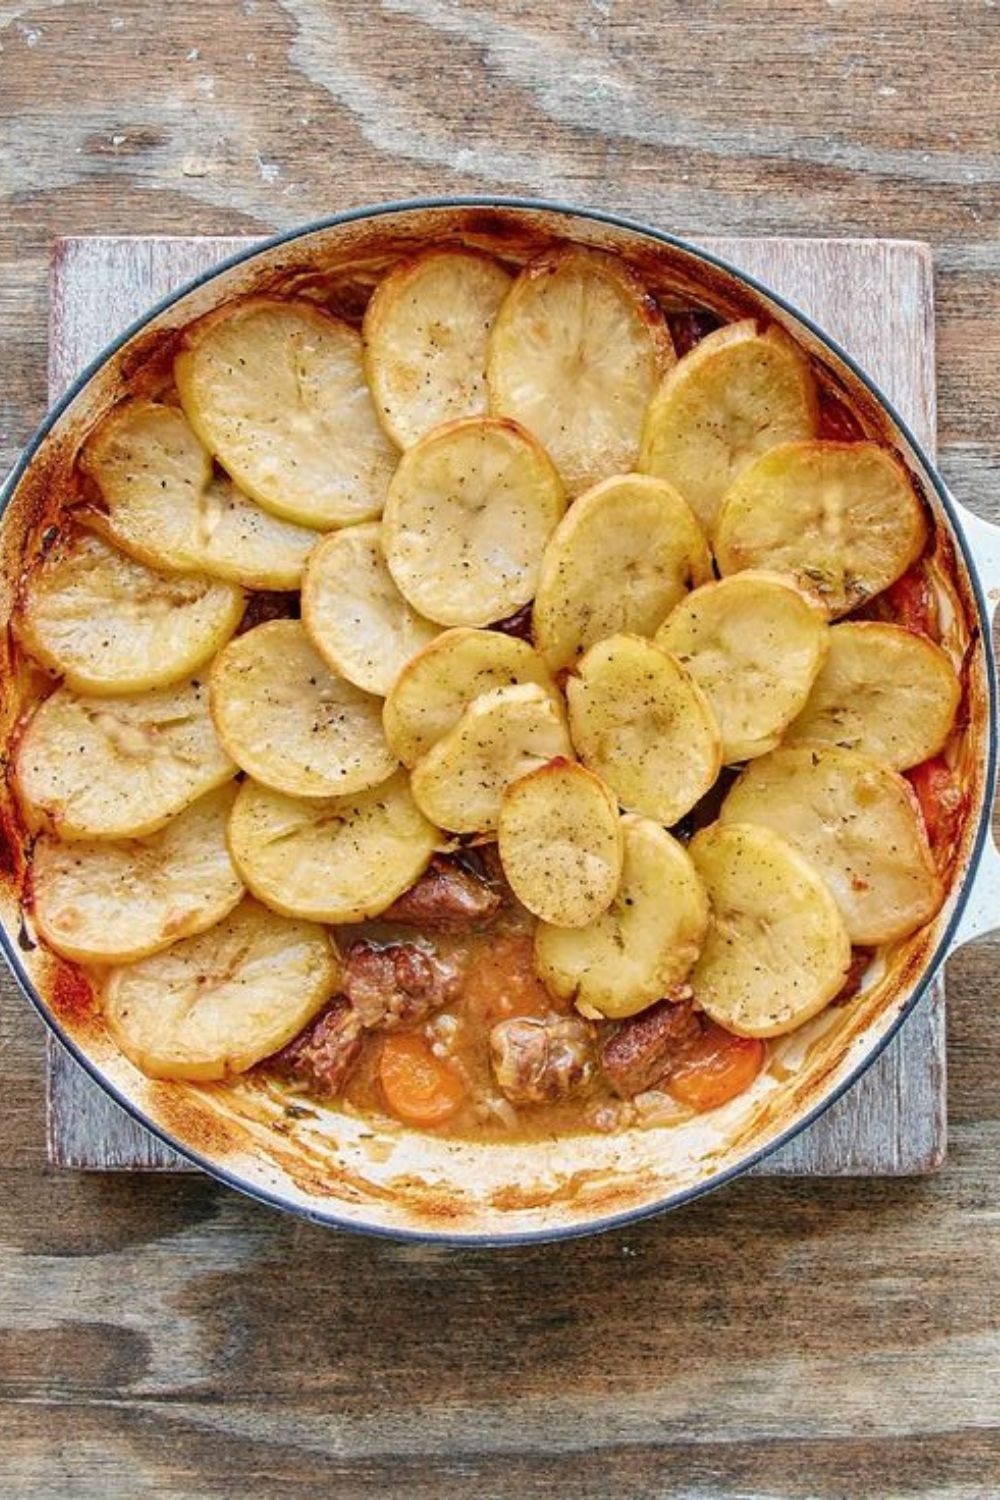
{"x":492,"y":440}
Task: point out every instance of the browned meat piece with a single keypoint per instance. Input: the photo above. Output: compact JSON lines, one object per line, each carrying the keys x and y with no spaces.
{"x":519,"y":624}
{"x":264,"y":605}
{"x":689,"y":328}
{"x":538,"y":1062}
{"x":448,"y":897}
{"x":397,"y":983}
{"x":325,"y":1054}
{"x":642,"y":1049}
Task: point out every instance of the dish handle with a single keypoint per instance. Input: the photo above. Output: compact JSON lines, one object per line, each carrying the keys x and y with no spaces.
{"x":982,"y":909}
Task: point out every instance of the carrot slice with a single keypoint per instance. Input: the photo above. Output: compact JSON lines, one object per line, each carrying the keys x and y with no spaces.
{"x":418,"y":1087}
{"x":715,"y":1068}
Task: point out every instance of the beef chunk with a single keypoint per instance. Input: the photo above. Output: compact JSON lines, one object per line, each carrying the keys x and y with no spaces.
{"x":538,"y":1062}
{"x":325,"y":1054}
{"x":449,"y":897}
{"x":396,"y":984}
{"x":642,"y":1049}
{"x":518,"y":624}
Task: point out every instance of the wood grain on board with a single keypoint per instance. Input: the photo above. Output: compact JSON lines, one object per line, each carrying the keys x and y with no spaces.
{"x":875,"y":297}
{"x":788,"y":1339}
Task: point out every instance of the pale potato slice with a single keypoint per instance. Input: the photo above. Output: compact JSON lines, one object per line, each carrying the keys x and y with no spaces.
{"x":341,"y":859}
{"x":641,"y":722}
{"x":113,"y":903}
{"x":736,"y":394}
{"x":425,"y":334}
{"x":576,"y":352}
{"x":777,"y":950}
{"x":213,"y":1005}
{"x":620,"y":559}
{"x":857,"y":822}
{"x":560,"y":843}
{"x":470,"y":509}
{"x":276,"y":390}
{"x":842,"y":517}
{"x":356,"y":617}
{"x":290,"y":722}
{"x":162,"y":503}
{"x":754,"y":644}
{"x":501,"y":736}
{"x":644,"y":944}
{"x":110,"y":625}
{"x":116,"y":768}
{"x":882,"y":690}
{"x":434,"y":689}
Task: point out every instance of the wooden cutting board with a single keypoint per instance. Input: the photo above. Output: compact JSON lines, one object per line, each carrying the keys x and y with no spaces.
{"x":876,"y":298}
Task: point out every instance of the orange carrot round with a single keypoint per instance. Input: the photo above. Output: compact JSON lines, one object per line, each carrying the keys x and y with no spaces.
{"x":716,"y":1068}
{"x":418,"y":1087}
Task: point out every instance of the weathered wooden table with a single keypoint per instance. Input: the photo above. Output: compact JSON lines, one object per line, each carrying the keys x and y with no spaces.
{"x":161,"y":1337}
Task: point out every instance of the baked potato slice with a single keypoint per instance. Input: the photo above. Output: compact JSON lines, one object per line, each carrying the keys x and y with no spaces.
{"x":501,"y":736}
{"x":619,"y":560}
{"x":737,"y":393}
{"x":425,"y":334}
{"x":640,"y":721}
{"x":858,"y":823}
{"x":644,"y":944}
{"x":109,"y":625}
{"x":754,"y":644}
{"x":882,"y":690}
{"x":118,"y":768}
{"x":162,"y":503}
{"x":436,"y":687}
{"x":276,"y":390}
{"x":842,"y":518}
{"x":114,"y":903}
{"x":560,"y":843}
{"x":777,"y":950}
{"x":576,"y":352}
{"x":290,"y":722}
{"x":339,"y":859}
{"x":355,"y":615}
{"x":470,"y":509}
{"x":215,"y":1004}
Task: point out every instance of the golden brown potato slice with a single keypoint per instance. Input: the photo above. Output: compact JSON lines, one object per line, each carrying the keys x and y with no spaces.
{"x":113,"y":903}
{"x":213,"y":1005}
{"x":754,"y":644}
{"x":561,"y":844}
{"x":425,"y":334}
{"x":355,"y":615}
{"x":292,"y":723}
{"x":339,"y":859}
{"x":882,"y":690}
{"x":501,"y":736}
{"x":736,"y":394}
{"x":110,"y":625}
{"x":619,"y":560}
{"x":470,"y":509}
{"x":857,"y":822}
{"x":640,"y":721}
{"x":576,"y":352}
{"x":777,"y":950}
{"x":276,"y":390}
{"x":843,"y":518}
{"x":437,"y":686}
{"x":118,"y":768}
{"x":162,"y":504}
{"x":644,"y":944}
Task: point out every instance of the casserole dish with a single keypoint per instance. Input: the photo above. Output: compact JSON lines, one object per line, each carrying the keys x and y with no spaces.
{"x":335,"y":1168}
